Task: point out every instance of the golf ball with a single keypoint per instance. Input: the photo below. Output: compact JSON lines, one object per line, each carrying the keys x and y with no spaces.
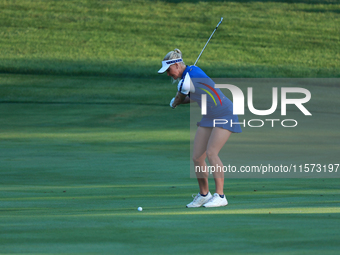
{"x":140,"y":209}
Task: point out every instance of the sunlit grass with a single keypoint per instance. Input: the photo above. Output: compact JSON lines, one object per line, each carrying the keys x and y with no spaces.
{"x":256,"y":39}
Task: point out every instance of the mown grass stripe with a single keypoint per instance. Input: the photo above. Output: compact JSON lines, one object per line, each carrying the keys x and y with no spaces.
{"x":196,"y":211}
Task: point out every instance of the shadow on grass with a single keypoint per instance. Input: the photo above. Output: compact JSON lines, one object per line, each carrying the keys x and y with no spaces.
{"x":131,"y":69}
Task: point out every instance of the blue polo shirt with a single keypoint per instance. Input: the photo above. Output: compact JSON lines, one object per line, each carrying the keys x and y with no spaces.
{"x":194,"y":83}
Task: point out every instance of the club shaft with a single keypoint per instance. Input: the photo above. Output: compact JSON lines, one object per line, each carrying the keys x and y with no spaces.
{"x":208,"y":41}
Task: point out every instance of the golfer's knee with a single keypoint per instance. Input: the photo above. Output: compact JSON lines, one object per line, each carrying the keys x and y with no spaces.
{"x":198,"y":160}
{"x":211,"y":154}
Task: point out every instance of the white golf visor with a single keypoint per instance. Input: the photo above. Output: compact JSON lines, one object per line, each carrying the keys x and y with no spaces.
{"x":167,"y":63}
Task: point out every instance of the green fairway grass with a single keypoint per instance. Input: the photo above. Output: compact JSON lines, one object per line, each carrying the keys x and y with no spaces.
{"x":87,"y":135}
{"x":103,"y":219}
{"x":77,"y":159}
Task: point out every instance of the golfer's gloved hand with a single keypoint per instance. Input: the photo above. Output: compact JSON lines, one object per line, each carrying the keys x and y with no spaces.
{"x":171,"y":102}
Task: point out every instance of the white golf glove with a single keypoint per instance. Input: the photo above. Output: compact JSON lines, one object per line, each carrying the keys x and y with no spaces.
{"x":171,"y":102}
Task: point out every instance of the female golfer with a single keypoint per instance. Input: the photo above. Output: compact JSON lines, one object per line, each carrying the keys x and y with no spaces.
{"x":210,"y":137}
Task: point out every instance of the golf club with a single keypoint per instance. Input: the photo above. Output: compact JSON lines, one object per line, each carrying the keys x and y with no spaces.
{"x":208,"y":40}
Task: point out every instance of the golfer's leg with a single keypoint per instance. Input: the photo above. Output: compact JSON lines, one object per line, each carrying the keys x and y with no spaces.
{"x":199,"y":155}
{"x":218,"y":138}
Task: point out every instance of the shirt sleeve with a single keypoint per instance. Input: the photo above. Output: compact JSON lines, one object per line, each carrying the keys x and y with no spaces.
{"x":185,"y":85}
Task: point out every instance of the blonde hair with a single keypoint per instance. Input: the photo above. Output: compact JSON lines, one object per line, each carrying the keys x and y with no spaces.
{"x":176,"y":53}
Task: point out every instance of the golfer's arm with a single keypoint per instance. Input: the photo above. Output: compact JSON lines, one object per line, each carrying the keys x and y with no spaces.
{"x":180,"y":99}
{"x":186,"y":100}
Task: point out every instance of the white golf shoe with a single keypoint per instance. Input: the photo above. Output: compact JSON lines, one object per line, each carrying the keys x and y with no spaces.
{"x":216,"y":201}
{"x":199,"y":200}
